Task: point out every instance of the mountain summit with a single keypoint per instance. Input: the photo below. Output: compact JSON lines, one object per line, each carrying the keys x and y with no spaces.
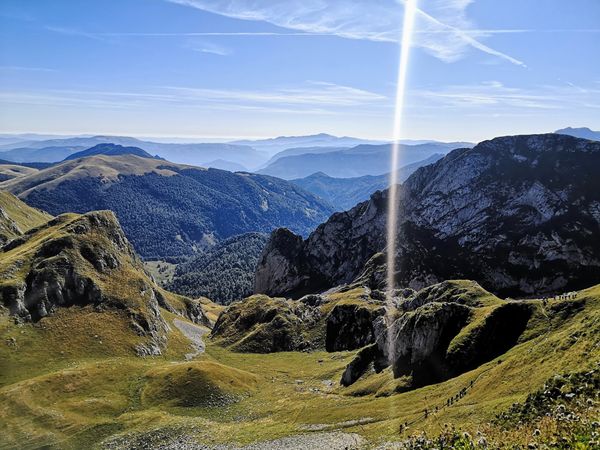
{"x":109,"y":149}
{"x":518,"y":214}
{"x":584,"y":133}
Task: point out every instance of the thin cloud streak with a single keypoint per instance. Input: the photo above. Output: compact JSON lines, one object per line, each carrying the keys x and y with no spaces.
{"x":315,"y":97}
{"x":26,"y":69}
{"x":494,"y":96}
{"x":474,"y":32}
{"x":443,"y":29}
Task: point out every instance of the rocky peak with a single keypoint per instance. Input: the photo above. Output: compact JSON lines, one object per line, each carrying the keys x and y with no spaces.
{"x":519,"y":214}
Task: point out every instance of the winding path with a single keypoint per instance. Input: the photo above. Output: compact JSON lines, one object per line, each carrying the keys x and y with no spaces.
{"x":194,"y":333}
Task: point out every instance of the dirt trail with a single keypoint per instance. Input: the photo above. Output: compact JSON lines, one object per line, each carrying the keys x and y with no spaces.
{"x":194,"y":333}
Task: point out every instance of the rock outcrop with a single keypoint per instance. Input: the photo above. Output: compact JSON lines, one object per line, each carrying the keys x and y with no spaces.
{"x":519,"y":214}
{"x":260,"y":324}
{"x":441,"y":332}
{"x":334,"y":322}
{"x":86,"y":260}
{"x":350,"y":325}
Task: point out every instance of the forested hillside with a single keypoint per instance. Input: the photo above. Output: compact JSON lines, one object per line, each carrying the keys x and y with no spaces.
{"x":169,"y":210}
{"x":223,"y":273}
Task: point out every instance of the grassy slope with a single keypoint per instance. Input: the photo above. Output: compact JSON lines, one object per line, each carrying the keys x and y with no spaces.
{"x":11,"y":171}
{"x":92,"y":392}
{"x":18,"y":213}
{"x":105,"y":167}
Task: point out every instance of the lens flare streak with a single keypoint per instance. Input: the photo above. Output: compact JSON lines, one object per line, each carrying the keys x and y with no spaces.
{"x":410,"y":9}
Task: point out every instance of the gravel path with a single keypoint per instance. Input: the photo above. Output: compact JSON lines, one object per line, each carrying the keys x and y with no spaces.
{"x":194,"y":333}
{"x":308,"y":441}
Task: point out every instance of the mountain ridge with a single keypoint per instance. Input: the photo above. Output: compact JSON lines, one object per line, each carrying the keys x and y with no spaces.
{"x":469,"y":207}
{"x":109,"y":150}
{"x":345,"y":193}
{"x":168,"y":209}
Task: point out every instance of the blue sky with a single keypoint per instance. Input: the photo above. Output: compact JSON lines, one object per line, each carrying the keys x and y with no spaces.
{"x":258,"y":68}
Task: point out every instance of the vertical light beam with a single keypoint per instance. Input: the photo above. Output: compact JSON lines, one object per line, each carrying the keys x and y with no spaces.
{"x":410,"y":8}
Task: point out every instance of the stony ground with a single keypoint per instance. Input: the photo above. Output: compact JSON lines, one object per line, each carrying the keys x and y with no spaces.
{"x":307,"y":441}
{"x":194,"y":333}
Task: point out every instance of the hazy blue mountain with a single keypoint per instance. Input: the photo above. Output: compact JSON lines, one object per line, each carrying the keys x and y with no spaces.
{"x":345,"y":193}
{"x":584,"y":133}
{"x":278,"y":144}
{"x":110,"y":150}
{"x":49,"y":154}
{"x":198,"y":154}
{"x":223,"y":164}
{"x":169,"y":210}
{"x":301,"y":151}
{"x":353,"y":162}
{"x":24,"y":139}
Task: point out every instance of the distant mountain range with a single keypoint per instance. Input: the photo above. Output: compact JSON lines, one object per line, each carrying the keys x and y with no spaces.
{"x":345,"y":193}
{"x":302,"y":151}
{"x":262,"y":155}
{"x":223,"y":164}
{"x":169,"y":210}
{"x":352,"y":162}
{"x":54,"y":150}
{"x":584,"y":133}
{"x":278,"y":144}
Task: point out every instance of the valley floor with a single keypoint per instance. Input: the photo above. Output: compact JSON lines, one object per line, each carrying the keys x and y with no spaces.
{"x":65,"y":388}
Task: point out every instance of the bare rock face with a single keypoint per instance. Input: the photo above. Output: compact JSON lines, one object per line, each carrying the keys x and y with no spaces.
{"x":333,"y":254}
{"x":350,"y":326}
{"x":419,"y":340}
{"x":438,"y":333}
{"x":518,"y":214}
{"x":281,"y":264}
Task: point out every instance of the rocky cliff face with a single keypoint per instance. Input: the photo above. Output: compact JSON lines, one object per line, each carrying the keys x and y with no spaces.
{"x":519,"y":214}
{"x":85,"y":260}
{"x":333,"y":254}
{"x":440,"y":332}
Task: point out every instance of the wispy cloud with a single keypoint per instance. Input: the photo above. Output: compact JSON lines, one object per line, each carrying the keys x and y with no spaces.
{"x":67,"y":31}
{"x":495,"y":97}
{"x":471,"y":32}
{"x":444,"y":29}
{"x":313,"y":93}
{"x":313,"y":97}
{"x":203,"y":46}
{"x":26,"y":69}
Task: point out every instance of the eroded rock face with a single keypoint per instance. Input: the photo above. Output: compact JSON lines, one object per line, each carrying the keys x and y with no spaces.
{"x":333,"y":254}
{"x":281,"y":264}
{"x":438,"y":333}
{"x":518,"y":214}
{"x":420,"y":339}
{"x":350,"y":326}
{"x":57,"y":274}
